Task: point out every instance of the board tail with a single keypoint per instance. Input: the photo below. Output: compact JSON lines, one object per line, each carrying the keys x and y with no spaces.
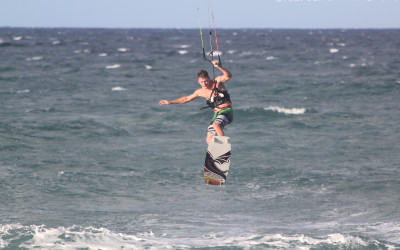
{"x":212,"y":174}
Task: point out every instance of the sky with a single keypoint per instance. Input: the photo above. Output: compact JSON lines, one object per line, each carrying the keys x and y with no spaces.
{"x":302,"y":14}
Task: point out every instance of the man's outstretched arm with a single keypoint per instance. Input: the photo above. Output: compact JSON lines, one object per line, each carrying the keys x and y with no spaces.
{"x":181,"y":100}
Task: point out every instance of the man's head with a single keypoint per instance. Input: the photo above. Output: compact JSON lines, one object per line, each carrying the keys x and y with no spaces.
{"x":202,"y":74}
{"x":203,"y":78}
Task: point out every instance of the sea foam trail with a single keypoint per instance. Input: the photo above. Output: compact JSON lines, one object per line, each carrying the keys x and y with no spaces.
{"x":288,"y":111}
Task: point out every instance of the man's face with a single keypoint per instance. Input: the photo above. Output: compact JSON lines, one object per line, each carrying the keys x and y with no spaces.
{"x":204,"y":82}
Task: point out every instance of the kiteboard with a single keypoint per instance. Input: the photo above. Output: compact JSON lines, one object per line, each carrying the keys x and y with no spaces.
{"x":218,"y":160}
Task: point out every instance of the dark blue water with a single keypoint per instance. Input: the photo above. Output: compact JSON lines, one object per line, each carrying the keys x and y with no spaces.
{"x":89,"y":160}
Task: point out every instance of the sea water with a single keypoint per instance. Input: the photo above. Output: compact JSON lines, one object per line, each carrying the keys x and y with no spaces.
{"x":89,"y":160}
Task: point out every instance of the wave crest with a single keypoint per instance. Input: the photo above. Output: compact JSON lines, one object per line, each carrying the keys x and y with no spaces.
{"x":17,"y":236}
{"x":287,"y":111}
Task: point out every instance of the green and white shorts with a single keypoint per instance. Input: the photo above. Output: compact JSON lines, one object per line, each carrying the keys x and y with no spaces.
{"x":223,"y":118}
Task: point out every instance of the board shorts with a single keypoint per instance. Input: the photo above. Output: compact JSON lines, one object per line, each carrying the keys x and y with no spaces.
{"x":223,"y":118}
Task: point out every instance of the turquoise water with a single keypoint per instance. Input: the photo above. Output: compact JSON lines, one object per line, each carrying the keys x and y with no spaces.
{"x":89,"y":160}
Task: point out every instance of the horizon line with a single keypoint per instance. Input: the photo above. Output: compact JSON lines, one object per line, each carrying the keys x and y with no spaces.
{"x":194,"y":28}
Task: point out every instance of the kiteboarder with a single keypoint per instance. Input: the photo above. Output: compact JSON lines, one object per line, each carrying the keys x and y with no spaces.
{"x":217,"y":97}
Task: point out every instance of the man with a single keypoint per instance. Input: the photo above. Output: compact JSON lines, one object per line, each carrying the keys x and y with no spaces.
{"x":217,"y":98}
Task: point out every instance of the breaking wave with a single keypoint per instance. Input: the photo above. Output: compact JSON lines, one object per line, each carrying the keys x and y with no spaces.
{"x":75,"y":237}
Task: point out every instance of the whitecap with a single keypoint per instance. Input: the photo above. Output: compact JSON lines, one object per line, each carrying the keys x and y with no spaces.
{"x":89,"y":237}
{"x":103,"y":54}
{"x":231,"y":51}
{"x":118,"y":89}
{"x":115,"y":66}
{"x":246,"y":53}
{"x":216,"y":53}
{"x":292,"y":111}
{"x":252,"y":186}
{"x":56,"y":42}
{"x":123,"y":49}
{"x":352,"y":65}
{"x":333,"y":50}
{"x":184,"y":46}
{"x":148,"y":66}
{"x":269,"y":58}
{"x":23,"y":91}
{"x":182,"y":52}
{"x":35,"y":58}
{"x":17,"y":38}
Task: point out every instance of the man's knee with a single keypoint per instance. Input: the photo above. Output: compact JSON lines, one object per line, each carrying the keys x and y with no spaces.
{"x":216,"y":125}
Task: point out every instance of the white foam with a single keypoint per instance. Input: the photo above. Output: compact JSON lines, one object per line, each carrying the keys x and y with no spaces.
{"x":292,"y":111}
{"x":182,"y":52}
{"x":114,"y":66}
{"x":89,"y":237}
{"x":148,"y":67}
{"x":101,"y":238}
{"x":103,"y":54}
{"x":216,"y":53}
{"x":17,"y":38}
{"x":23,"y":91}
{"x":269,"y":58}
{"x":123,"y":49}
{"x":333,"y":50}
{"x":184,"y":46}
{"x":118,"y":89}
{"x":252,"y":186}
{"x":35,"y":58}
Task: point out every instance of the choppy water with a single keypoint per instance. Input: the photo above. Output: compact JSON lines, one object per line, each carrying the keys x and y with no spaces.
{"x":89,"y":160}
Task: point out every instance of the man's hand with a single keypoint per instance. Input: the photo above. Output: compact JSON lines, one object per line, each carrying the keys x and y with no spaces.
{"x":216,"y":63}
{"x":164,"y":102}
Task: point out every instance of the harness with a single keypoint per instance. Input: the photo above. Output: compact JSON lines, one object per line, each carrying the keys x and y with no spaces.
{"x":217,"y":98}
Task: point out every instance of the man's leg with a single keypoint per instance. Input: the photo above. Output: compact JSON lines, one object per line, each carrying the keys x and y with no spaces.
{"x":217,"y":129}
{"x":209,"y":137}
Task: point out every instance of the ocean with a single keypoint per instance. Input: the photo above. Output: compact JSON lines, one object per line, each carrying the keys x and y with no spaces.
{"x":90,"y":160}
